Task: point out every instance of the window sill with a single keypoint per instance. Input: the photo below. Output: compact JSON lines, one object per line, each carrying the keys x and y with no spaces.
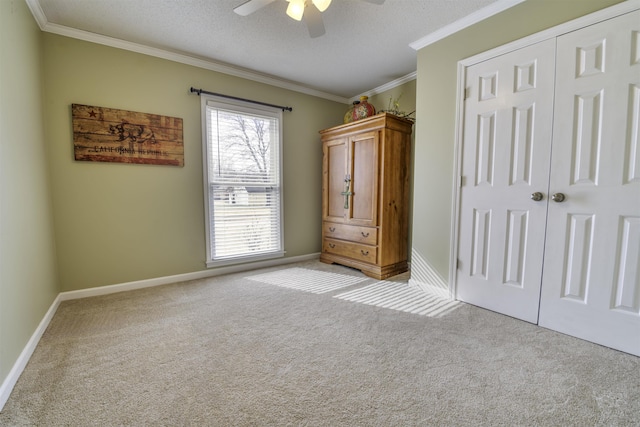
{"x":244,"y":259}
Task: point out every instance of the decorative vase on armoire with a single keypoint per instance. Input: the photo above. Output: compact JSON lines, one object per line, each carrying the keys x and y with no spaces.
{"x":365,"y":194}
{"x":348,"y":116}
{"x":363,"y":109}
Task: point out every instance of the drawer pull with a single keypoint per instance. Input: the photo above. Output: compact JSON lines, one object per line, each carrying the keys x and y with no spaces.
{"x":364,"y":234}
{"x":332,"y":229}
{"x":331,"y":245}
{"x":363,"y":252}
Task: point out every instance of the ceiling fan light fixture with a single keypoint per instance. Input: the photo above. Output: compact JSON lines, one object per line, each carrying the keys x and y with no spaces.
{"x":322,"y":5}
{"x":295,"y":10}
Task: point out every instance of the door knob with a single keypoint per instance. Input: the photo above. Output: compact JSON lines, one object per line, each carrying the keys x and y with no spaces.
{"x":537,"y":196}
{"x":558,"y":197}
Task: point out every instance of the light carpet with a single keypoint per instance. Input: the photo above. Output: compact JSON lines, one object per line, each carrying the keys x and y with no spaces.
{"x":399,"y":296}
{"x":232,"y":351}
{"x":303,"y":279}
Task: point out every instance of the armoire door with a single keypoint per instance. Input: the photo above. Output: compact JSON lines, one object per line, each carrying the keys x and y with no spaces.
{"x":591,"y":281}
{"x":334,"y":179}
{"x":363,"y":172}
{"x":505,"y":162}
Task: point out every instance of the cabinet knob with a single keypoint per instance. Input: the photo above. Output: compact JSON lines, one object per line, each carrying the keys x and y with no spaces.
{"x":558,"y":197}
{"x":332,"y":229}
{"x":363,"y":252}
{"x":331,"y":245}
{"x":364,"y":234}
{"x":537,"y":196}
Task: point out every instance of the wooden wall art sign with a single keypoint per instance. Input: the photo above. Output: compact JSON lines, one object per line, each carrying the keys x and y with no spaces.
{"x":108,"y":135}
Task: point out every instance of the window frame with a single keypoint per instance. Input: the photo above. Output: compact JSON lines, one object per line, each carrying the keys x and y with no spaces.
{"x":241,"y":107}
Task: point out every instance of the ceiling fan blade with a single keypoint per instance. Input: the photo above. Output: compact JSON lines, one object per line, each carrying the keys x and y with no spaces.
{"x":313,"y":18}
{"x":251,"y":6}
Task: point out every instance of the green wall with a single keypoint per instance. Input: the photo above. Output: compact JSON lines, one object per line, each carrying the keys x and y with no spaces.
{"x":435,"y":126}
{"x":406,"y":96}
{"x":28,"y":276}
{"x":406,"y":93}
{"x":117,"y":223}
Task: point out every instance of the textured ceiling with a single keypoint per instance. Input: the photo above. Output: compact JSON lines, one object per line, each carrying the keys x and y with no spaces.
{"x":365,"y":45}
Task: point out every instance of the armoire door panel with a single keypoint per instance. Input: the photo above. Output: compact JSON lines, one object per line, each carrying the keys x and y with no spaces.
{"x":363,"y":166}
{"x":335,"y":155}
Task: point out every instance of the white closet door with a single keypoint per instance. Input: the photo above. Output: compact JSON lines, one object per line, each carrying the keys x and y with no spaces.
{"x":505,"y":159}
{"x":591,"y":282}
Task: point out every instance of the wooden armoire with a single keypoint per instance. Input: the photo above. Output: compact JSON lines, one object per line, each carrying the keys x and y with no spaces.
{"x":365,"y":195}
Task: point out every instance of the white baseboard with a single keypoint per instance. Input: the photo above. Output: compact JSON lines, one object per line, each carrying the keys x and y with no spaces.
{"x":147,"y":283}
{"x":12,"y":378}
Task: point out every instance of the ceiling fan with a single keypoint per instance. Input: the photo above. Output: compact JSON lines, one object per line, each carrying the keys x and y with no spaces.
{"x":310,"y":9}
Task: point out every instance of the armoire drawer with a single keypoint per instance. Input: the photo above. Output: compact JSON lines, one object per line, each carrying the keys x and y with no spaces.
{"x":352,"y":250}
{"x":353,"y":233}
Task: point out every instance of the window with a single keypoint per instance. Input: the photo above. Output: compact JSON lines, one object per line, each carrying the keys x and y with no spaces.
{"x":243,"y":190}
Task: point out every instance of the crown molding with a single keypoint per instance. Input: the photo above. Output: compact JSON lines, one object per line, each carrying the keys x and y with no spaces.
{"x":37,"y":12}
{"x":41,"y":19}
{"x":460,"y":24}
{"x":188,"y":60}
{"x":387,"y":86}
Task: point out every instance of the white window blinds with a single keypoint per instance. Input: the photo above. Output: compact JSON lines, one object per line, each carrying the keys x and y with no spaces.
{"x":243,"y":180}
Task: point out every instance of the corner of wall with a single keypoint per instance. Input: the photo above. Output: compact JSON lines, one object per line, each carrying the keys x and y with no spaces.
{"x":424,"y":276}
